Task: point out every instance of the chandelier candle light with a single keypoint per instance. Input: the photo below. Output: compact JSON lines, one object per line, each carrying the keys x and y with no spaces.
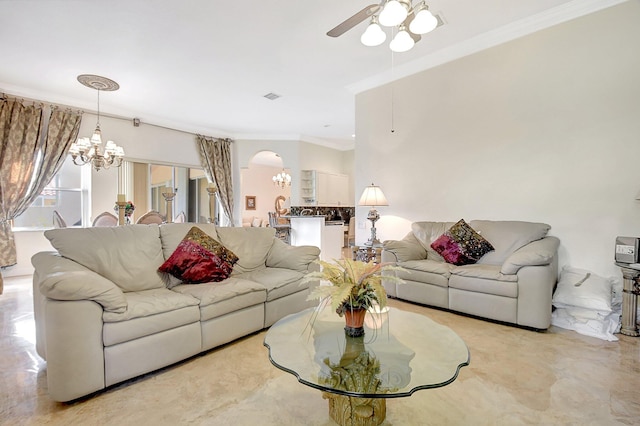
{"x":282,"y":179}
{"x":372,"y":196}
{"x":122,"y":205}
{"x":89,"y":150}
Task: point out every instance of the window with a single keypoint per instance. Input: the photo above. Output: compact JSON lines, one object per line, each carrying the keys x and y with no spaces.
{"x":66,"y":193}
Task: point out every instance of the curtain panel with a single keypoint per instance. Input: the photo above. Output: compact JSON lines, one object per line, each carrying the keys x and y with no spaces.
{"x":215,"y":158}
{"x":33,"y":147}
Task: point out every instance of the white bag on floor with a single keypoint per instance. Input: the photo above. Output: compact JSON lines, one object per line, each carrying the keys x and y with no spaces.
{"x":587,"y":303}
{"x":602,"y":326}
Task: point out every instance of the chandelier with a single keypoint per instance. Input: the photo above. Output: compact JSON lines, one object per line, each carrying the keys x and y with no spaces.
{"x":400,"y":13}
{"x":282,"y":179}
{"x":89,"y":150}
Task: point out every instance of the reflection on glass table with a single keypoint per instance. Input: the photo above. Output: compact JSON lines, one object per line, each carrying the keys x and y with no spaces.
{"x":400,"y":353}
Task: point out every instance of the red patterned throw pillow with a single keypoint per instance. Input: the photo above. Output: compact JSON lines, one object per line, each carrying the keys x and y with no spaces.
{"x":199,"y":259}
{"x":461,"y":244}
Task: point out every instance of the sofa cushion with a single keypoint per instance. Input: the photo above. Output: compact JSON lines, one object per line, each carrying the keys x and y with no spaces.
{"x":278,"y":282}
{"x":507,"y":237}
{"x":251,"y":245}
{"x":125,"y":331}
{"x":199,"y":258}
{"x":171,"y":234}
{"x":230,"y":295}
{"x":427,"y":232}
{"x":483,"y":271}
{"x":425,"y":271}
{"x":127,"y":255}
{"x":68,"y":280}
{"x":426,"y":265}
{"x":298,"y":258}
{"x":483,"y":285}
{"x":461,"y":245}
{"x":147,"y":303}
{"x":406,"y":249}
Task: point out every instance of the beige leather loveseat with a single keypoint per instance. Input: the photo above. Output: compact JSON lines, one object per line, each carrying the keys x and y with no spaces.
{"x":105,"y":314}
{"x":512,"y":283}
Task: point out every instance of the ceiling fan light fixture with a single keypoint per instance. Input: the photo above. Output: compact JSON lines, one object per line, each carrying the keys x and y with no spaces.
{"x":402,"y":42}
{"x":424,"y":20}
{"x":373,"y":35}
{"x":394,"y":13}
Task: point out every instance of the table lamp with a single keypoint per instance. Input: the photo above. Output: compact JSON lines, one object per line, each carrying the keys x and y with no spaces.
{"x":372,"y":196}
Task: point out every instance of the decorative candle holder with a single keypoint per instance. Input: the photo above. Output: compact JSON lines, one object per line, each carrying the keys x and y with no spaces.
{"x":121,"y":207}
{"x":211,"y":190}
{"x":168,"y":197}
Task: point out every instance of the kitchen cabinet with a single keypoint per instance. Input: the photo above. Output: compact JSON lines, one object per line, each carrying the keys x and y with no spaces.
{"x":325,"y":189}
{"x":308,"y":187}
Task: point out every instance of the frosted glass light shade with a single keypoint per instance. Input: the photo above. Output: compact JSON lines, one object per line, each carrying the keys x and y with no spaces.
{"x":393,"y":13}
{"x":402,"y":41}
{"x":373,"y":35}
{"x":424,"y":22}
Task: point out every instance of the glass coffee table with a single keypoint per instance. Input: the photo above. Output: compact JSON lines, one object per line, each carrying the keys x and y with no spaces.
{"x":400,"y":353}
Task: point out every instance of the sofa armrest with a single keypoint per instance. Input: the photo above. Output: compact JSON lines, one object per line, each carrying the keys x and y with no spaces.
{"x":297,"y":258}
{"x":537,"y":253}
{"x":65,"y":280}
{"x":403,"y":250}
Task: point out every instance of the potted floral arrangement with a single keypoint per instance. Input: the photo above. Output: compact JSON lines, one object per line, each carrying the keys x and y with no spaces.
{"x":128,"y":210}
{"x":355,"y":286}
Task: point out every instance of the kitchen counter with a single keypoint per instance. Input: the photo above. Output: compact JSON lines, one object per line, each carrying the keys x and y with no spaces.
{"x":315,"y":230}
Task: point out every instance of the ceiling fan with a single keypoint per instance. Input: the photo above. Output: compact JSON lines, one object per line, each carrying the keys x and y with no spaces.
{"x":411,"y":23}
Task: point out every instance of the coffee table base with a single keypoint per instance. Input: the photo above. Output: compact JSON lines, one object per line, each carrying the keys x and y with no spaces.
{"x":352,"y":411}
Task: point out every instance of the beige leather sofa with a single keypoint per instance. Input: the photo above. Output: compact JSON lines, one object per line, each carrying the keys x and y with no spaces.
{"x":514,"y":283}
{"x":104,"y":314}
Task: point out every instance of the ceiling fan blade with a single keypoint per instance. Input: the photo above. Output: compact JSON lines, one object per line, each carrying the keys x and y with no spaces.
{"x":353,"y":21}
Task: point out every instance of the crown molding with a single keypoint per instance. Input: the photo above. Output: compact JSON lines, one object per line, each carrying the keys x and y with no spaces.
{"x":531,"y":24}
{"x":337,"y":144}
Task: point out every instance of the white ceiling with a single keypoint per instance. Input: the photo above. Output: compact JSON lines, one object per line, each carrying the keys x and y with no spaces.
{"x":204,"y":65}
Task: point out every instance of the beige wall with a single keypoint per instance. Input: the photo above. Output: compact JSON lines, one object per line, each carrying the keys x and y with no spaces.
{"x":256,"y":181}
{"x":544,"y":128}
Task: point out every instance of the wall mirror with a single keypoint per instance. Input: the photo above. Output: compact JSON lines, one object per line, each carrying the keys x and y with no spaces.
{"x":149,"y":180}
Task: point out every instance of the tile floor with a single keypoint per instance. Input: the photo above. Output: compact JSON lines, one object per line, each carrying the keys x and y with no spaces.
{"x":516,"y":377}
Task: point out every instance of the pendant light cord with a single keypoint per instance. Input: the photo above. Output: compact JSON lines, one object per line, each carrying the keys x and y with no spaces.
{"x":98,"y":107}
{"x":392,"y":90}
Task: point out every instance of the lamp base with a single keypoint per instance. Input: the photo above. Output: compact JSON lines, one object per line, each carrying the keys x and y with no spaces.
{"x":373,"y":241}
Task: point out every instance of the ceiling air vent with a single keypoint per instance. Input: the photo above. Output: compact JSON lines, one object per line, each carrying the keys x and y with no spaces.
{"x":271,"y":96}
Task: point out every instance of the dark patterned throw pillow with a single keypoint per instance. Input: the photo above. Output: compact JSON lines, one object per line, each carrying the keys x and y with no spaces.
{"x":199,"y":259}
{"x":461,"y":244}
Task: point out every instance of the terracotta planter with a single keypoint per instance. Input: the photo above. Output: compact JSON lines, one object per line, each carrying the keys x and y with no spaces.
{"x":354,"y":320}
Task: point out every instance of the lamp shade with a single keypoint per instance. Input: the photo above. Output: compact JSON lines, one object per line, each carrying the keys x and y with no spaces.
{"x":393,"y":13}
{"x":373,"y":35}
{"x":424,"y":21}
{"x":402,"y":42}
{"x":373,"y":196}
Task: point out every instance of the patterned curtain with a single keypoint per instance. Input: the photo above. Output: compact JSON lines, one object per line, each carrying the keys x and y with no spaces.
{"x":215,"y":157}
{"x":32,"y":150}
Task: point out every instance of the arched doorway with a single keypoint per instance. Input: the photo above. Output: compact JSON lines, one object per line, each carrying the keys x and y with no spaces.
{"x":259,"y":193}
